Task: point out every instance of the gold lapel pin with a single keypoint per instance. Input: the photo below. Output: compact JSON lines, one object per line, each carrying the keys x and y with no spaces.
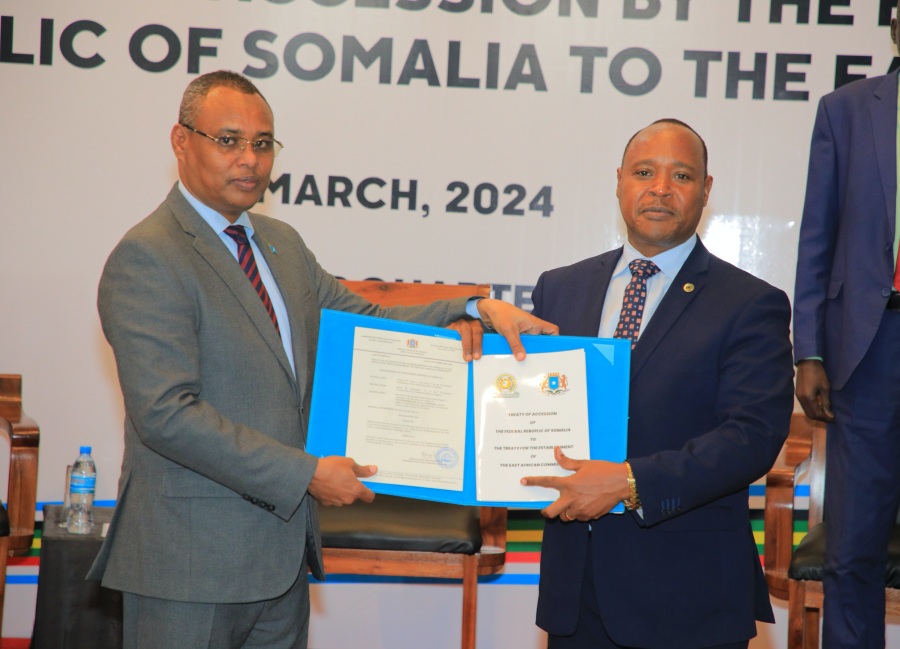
{"x":688,"y":288}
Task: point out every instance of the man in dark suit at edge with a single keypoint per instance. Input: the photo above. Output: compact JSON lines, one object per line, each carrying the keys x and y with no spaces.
{"x":213,"y":315}
{"x":709,"y":408}
{"x":847,"y":345}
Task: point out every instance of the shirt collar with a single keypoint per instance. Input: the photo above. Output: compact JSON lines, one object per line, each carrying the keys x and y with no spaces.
{"x":669,"y":262}
{"x":215,"y":220}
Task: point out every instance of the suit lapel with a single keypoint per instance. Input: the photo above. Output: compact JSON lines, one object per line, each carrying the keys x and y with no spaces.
{"x":883,"y":110}
{"x":685,"y":288}
{"x":208,"y":245}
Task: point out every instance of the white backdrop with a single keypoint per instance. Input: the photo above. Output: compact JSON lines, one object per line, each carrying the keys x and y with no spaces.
{"x":438,"y":105}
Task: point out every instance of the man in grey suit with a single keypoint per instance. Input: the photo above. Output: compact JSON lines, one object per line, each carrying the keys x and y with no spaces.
{"x":213,"y":315}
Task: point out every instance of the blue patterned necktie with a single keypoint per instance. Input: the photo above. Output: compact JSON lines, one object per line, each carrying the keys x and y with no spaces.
{"x":248,"y":263}
{"x":635,"y":296}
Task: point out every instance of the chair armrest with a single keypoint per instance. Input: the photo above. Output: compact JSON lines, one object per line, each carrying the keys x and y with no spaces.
{"x":493,"y":529}
{"x":779,"y":509}
{"x":24,"y":440}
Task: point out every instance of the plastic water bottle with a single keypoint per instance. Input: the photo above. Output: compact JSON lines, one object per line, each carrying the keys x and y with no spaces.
{"x":80,"y":519}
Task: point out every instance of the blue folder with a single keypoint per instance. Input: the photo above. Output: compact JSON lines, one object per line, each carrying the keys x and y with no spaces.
{"x":607,"y":363}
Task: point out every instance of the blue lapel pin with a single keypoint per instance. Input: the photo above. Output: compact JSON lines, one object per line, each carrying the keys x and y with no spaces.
{"x":272,"y":248}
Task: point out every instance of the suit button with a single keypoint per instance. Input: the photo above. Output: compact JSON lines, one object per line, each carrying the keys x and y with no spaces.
{"x":885,"y":292}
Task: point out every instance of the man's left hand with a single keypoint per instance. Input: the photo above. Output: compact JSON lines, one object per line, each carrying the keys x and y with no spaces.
{"x":594,"y":489}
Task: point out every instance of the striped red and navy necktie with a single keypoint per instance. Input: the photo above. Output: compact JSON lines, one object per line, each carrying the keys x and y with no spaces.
{"x":248,"y":263}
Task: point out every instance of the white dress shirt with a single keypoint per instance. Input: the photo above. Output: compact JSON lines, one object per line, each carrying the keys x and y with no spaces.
{"x":668,"y":262}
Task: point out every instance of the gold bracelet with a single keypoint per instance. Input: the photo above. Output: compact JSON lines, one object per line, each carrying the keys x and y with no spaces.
{"x":633,"y":501}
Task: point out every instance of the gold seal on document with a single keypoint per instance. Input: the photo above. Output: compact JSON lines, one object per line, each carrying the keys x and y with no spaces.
{"x":505,"y":384}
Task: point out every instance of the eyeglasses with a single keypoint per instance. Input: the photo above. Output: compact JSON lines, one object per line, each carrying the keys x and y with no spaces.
{"x":233,"y":144}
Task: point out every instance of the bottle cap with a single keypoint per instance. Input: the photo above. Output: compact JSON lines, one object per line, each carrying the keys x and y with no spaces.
{"x":84,"y":450}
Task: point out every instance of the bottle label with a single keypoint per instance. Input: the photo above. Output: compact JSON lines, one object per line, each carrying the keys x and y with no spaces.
{"x":82,"y":484}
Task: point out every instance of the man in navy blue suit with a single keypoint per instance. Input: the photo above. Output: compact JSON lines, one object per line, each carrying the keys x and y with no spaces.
{"x":847,"y":345}
{"x":709,"y":408}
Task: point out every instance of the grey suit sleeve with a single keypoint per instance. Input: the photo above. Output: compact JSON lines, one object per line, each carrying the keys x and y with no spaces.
{"x":152,"y":312}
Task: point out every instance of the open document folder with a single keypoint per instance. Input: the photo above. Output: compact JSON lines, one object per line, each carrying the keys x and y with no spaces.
{"x":399,"y":395}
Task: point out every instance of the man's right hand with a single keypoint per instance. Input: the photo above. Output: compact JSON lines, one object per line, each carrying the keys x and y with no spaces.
{"x":511,"y":321}
{"x":336,"y":481}
{"x":814,"y":390}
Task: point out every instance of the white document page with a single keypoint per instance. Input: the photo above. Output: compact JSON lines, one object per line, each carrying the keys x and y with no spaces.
{"x":524,"y":409}
{"x":408,"y":408}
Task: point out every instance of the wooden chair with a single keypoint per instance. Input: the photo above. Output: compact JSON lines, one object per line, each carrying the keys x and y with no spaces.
{"x":24,"y":438}
{"x":410,"y":538}
{"x":792,"y":575}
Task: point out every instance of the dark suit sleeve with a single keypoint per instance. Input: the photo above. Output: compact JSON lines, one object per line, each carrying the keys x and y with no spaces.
{"x":537,"y":297}
{"x":818,"y":237}
{"x":745,"y":390}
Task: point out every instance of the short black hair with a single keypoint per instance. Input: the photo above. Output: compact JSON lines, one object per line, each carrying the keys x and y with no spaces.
{"x":199,"y":88}
{"x":677,"y":122}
